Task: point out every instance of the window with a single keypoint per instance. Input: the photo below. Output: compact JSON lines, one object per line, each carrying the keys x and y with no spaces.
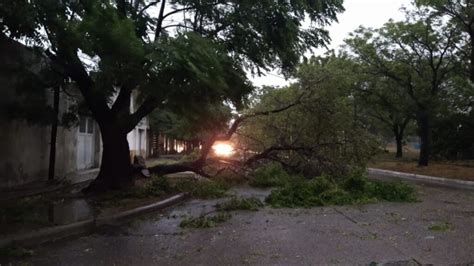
{"x":86,"y":125}
{"x":90,"y":126}
{"x":82,"y":125}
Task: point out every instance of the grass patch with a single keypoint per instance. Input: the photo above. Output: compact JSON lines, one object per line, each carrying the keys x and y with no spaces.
{"x":205,"y":221}
{"x":202,"y":190}
{"x":15,"y":252}
{"x":251,"y":204}
{"x":324,"y":191}
{"x":269,"y":175}
{"x":156,"y":187}
{"x":441,"y":227}
{"x":28,"y":210}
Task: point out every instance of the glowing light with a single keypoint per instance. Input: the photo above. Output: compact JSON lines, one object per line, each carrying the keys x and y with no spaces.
{"x":223,"y":149}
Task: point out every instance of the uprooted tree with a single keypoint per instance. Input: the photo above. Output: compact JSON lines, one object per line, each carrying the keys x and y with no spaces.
{"x":178,"y":54}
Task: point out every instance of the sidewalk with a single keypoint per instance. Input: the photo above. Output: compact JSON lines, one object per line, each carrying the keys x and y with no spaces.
{"x":417,"y":178}
{"x":85,"y":224}
{"x":33,"y":189}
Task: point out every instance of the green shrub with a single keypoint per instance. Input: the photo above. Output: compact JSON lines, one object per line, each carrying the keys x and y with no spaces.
{"x":205,"y":221}
{"x":252,"y":204}
{"x":354,"y":189}
{"x":269,"y":175}
{"x":299,"y":193}
{"x":335,"y":196}
{"x":392,"y":191}
{"x":203,"y":190}
{"x":355,"y":183}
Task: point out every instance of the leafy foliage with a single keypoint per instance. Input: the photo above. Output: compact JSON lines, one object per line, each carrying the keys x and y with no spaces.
{"x":452,"y":136}
{"x":157,"y":187}
{"x":205,"y":221}
{"x":269,"y":175}
{"x":203,"y":190}
{"x":441,"y":227}
{"x":239,"y":203}
{"x":324,"y":191}
{"x":421,"y":56}
{"x":320,"y":133}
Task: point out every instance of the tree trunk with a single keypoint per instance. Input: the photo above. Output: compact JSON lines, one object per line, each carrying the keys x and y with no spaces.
{"x":399,"y":141}
{"x":115,"y":169}
{"x":399,"y":131}
{"x":424,"y":128}
{"x":472,"y":59}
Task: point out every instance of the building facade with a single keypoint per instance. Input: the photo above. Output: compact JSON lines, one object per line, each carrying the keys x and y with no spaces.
{"x":25,"y":146}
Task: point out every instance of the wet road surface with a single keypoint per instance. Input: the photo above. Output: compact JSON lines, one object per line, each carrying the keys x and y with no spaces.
{"x":391,"y":233}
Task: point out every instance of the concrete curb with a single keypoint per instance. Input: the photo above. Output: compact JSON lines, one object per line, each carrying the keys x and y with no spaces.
{"x":118,"y":217}
{"x":63,"y":231}
{"x":455,"y":183}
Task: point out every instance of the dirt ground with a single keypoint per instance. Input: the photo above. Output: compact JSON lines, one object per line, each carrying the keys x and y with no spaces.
{"x":463,"y":170}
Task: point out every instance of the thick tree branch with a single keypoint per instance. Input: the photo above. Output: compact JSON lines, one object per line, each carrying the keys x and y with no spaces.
{"x":159,"y":22}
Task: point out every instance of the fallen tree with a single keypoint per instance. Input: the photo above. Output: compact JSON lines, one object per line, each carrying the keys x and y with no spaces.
{"x":197,"y":165}
{"x":309,"y":128}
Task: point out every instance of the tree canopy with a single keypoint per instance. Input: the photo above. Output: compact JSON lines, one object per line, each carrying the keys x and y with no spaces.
{"x":178,"y":54}
{"x":420,"y":55}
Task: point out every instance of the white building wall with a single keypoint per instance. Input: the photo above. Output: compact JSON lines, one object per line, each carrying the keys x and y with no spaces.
{"x":25,"y":151}
{"x":138,"y":137}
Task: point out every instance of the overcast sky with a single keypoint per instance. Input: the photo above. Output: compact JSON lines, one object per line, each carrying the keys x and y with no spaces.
{"x":369,"y":13}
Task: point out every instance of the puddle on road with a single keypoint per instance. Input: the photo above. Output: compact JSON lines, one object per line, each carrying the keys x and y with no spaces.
{"x":70,"y":211}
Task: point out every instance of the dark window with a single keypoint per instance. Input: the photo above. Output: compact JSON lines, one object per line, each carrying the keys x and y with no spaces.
{"x":82,"y":125}
{"x":90,"y":126}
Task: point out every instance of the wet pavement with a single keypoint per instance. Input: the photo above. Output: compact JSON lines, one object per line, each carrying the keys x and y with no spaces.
{"x":391,"y":233}
{"x":32,"y":215}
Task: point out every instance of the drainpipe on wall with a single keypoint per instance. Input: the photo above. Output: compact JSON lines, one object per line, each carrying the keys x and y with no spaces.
{"x":54,"y":133}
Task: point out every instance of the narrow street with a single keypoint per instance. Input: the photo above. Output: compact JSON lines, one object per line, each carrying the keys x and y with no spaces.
{"x":401,"y":233}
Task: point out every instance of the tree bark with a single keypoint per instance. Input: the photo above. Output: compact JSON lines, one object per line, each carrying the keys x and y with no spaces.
{"x":116,"y":168}
{"x":399,"y":141}
{"x":424,"y":127}
{"x":472,"y":59}
{"x":399,"y":131}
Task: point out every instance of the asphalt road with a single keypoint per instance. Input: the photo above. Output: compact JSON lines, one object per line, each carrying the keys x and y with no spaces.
{"x":385,"y":233}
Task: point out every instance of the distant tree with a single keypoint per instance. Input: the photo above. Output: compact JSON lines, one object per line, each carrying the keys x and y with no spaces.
{"x":420,"y":55}
{"x":461,"y":13}
{"x":379,"y":102}
{"x":453,"y":138}
{"x":179,"y":54}
{"x":382,"y":99}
